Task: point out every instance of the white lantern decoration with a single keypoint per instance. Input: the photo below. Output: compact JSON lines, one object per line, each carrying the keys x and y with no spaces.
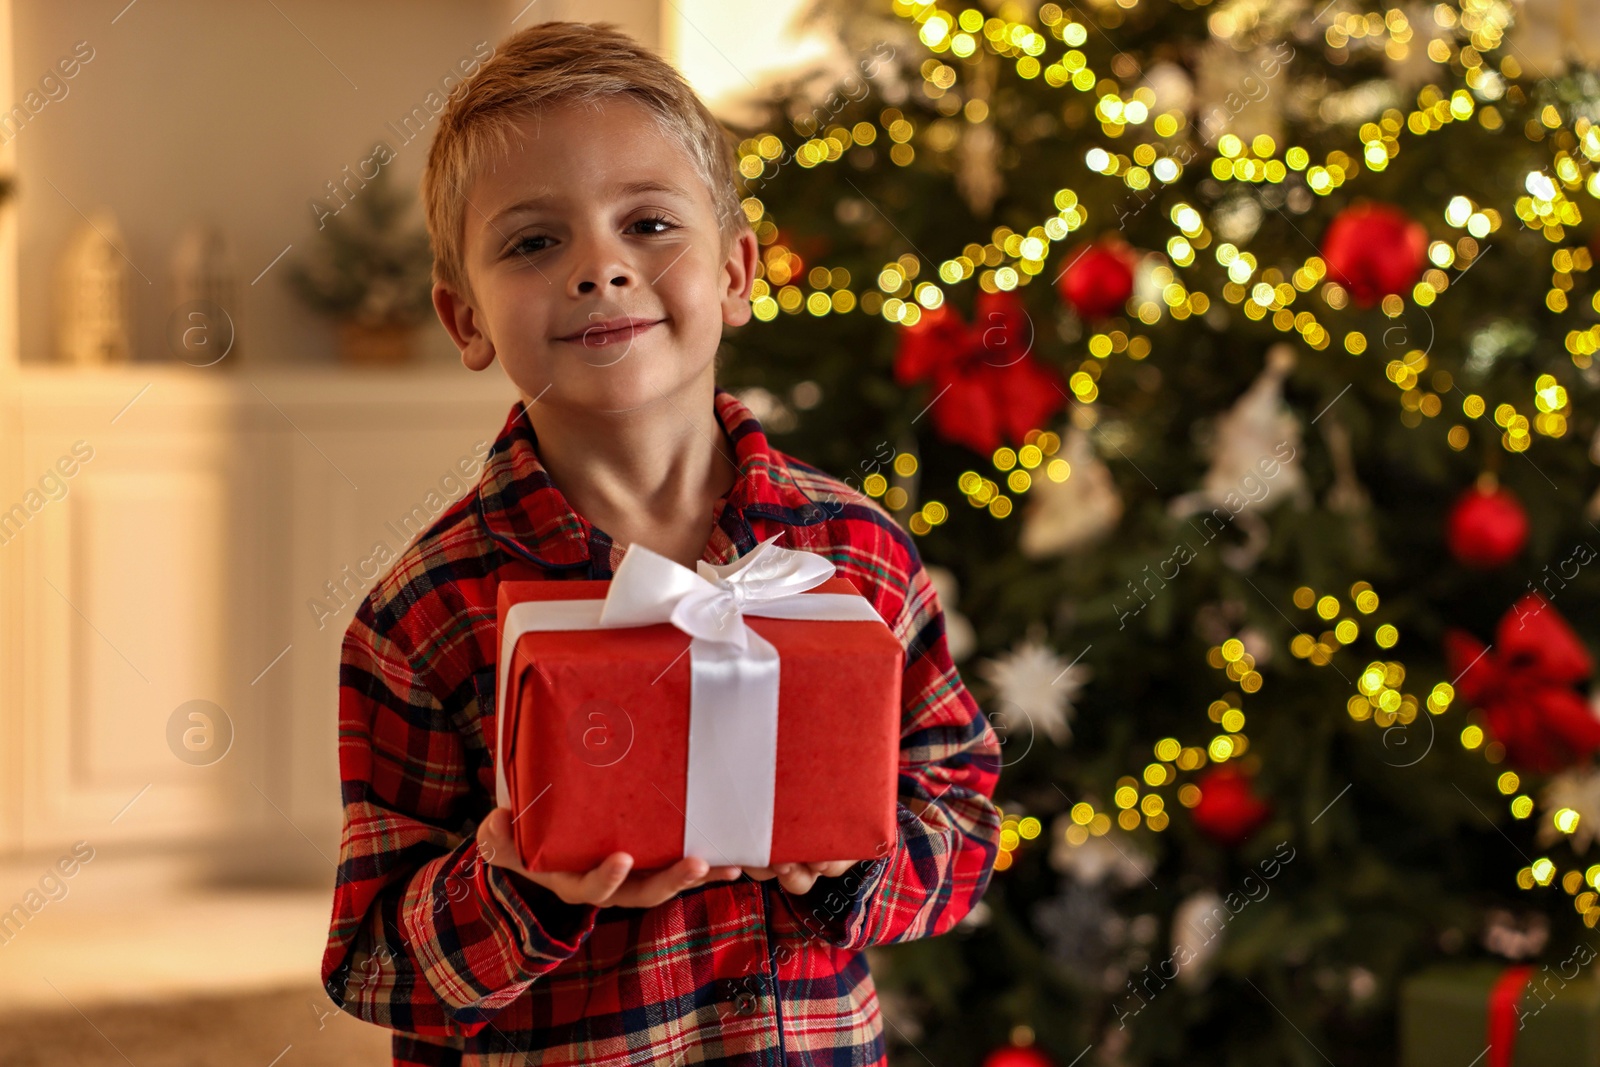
{"x":92,"y":292}
{"x":205,"y":296}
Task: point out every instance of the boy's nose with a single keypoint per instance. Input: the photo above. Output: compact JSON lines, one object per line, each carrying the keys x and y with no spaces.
{"x":599,"y":263}
{"x":586,"y":286}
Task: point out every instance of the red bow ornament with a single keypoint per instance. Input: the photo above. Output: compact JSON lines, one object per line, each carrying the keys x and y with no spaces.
{"x":987,"y":385}
{"x":1525,"y":685}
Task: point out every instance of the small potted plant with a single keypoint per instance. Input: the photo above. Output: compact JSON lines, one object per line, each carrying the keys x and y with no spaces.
{"x":371,"y":271}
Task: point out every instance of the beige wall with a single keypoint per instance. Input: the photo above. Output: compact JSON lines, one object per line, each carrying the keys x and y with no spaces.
{"x":193,"y":110}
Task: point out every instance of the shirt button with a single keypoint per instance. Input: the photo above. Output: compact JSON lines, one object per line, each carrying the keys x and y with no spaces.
{"x":745,"y":1003}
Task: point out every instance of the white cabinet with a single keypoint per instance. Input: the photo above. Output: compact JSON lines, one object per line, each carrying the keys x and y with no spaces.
{"x":209,"y":544}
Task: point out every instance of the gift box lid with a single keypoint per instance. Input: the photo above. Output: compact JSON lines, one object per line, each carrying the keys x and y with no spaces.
{"x":515,"y":592}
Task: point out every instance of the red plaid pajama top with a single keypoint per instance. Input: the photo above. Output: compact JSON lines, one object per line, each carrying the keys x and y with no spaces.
{"x":469,"y":963}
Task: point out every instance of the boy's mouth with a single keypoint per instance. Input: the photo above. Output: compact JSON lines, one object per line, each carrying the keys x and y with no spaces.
{"x":611,"y":331}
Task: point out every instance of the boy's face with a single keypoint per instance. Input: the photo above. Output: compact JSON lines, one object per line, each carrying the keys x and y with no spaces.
{"x":599,"y":277}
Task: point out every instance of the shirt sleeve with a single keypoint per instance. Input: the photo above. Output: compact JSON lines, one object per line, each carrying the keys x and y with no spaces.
{"x":948,"y":829}
{"x":425,"y":936}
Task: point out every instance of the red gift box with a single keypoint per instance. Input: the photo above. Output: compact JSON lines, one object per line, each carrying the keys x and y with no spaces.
{"x":596,"y":737}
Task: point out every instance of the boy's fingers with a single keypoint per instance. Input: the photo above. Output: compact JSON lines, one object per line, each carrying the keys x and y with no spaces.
{"x":664,"y":884}
{"x":798,"y":882}
{"x":597,"y":886}
{"x":832,"y":868}
{"x":797,"y":878}
{"x":612,"y":882}
{"x":494,"y":839}
{"x":689,"y":870}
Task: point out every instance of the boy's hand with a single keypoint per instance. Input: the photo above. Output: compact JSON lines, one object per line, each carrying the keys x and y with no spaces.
{"x":613,"y":884}
{"x":798,"y":878}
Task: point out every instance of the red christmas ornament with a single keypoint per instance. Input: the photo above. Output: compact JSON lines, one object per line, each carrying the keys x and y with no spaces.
{"x":1228,"y":811}
{"x":1099,"y":278}
{"x":1018,"y":1056}
{"x":1373,"y":250}
{"x":1525,"y":686}
{"x":1487,"y":527}
{"x":987,"y":385}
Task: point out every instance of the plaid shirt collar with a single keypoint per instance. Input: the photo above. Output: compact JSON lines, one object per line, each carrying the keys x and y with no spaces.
{"x":522,"y":509}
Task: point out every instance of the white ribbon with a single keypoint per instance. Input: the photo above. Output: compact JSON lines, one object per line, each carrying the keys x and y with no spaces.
{"x":733,"y":692}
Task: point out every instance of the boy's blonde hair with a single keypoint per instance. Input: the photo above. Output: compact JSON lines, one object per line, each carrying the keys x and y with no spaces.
{"x":545,"y":65}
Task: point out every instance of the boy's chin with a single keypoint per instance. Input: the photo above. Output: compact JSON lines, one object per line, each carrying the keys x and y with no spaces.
{"x":614,"y":390}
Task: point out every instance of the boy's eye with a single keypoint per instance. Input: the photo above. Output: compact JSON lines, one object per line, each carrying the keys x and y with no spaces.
{"x":649,"y":226}
{"x":525,"y":245}
{"x":652,"y":225}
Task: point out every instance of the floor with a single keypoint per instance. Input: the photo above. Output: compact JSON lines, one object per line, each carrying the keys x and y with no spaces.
{"x":283,"y":1028}
{"x":135,"y":964}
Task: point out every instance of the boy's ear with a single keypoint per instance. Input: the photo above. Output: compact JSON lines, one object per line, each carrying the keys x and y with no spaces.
{"x":739,"y":271}
{"x":460,"y":318}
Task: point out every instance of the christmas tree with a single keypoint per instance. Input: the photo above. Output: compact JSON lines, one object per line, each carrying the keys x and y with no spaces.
{"x":371,"y":265}
{"x":1223,"y":360}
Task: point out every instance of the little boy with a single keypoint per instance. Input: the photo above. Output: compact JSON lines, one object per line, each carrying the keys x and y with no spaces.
{"x":588,"y":236}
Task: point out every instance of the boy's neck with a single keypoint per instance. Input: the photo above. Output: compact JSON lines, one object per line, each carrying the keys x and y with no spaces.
{"x":665,"y":462}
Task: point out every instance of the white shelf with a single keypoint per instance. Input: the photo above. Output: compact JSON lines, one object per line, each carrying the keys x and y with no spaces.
{"x":180,"y":563}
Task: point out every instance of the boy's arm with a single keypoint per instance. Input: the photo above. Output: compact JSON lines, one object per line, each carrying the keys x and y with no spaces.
{"x":425,"y":937}
{"x":948,"y":829}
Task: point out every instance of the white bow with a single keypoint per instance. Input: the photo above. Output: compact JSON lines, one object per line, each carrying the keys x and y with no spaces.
{"x":711,"y":602}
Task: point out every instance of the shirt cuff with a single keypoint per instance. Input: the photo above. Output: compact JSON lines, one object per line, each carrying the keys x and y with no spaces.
{"x":550,"y":927}
{"x":838,"y":902}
